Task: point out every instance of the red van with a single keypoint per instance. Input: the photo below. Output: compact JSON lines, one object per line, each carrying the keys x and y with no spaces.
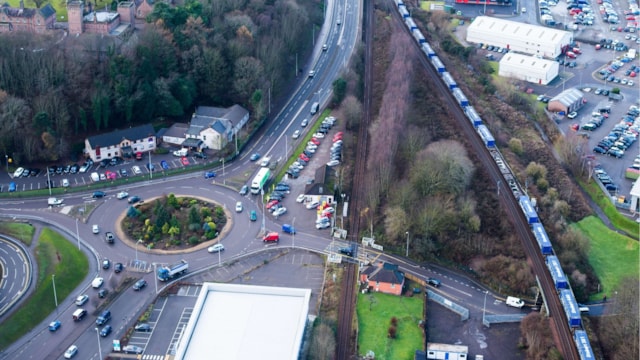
{"x":271,"y":237}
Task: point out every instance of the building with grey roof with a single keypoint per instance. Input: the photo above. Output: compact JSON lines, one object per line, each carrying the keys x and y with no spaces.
{"x":567,"y":101}
{"x":215,"y":126}
{"x":120,"y":143}
{"x":27,"y":19}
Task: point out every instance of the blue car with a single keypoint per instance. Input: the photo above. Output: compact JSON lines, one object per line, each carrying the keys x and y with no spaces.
{"x":254,"y":157}
{"x":12,"y":186}
{"x":209,"y":174}
{"x":54,"y":325}
{"x":164,"y":165}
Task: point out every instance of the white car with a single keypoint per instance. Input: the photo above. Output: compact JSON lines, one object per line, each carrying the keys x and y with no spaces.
{"x":103,"y":177}
{"x":122,"y":194}
{"x":329,"y":210}
{"x":333,"y":163}
{"x":311,"y":150}
{"x":82,"y":299}
{"x":18,"y":172}
{"x":313,"y":205}
{"x":572,"y":115}
{"x":318,"y":135}
{"x":65,"y":182}
{"x":323,"y":219}
{"x":280,"y":211}
{"x":323,"y":225}
{"x":216,"y":248}
{"x":71,"y":352}
{"x":95,"y":177}
{"x":136,"y":170}
{"x":300,"y":198}
{"x":296,"y":134}
{"x":311,"y":145}
{"x":95,"y":229}
{"x":239,"y":206}
{"x":312,"y":73}
{"x":304,"y":122}
{"x":97,"y":282}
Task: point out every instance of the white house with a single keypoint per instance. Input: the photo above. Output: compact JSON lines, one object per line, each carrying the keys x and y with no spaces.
{"x":123,"y":143}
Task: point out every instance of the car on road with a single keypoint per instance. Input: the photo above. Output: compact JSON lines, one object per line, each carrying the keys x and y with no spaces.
{"x":106,"y":330}
{"x":109,"y":237}
{"x":102,"y":293}
{"x":164,"y":165}
{"x":296,"y":134}
{"x":118,"y":267}
{"x":433,"y":282}
{"x":106,"y":264}
{"x":122,"y":194}
{"x":82,"y":299}
{"x":347,"y":250}
{"x":216,"y":248}
{"x":304,"y":122}
{"x":132,"y":349}
{"x":244,"y":190}
{"x":136,"y":170}
{"x":143,"y":327}
{"x":54,"y":325}
{"x":253,"y":216}
{"x":98,"y":194}
{"x":255,"y":156}
{"x":97,"y":282}
{"x":209,"y":174}
{"x":134,"y":199}
{"x":139,"y":284}
{"x":280,"y":211}
{"x":184,"y":161}
{"x":572,"y":115}
{"x":71,"y":352}
{"x":95,"y":229}
{"x":239,"y":206}
{"x":312,"y":73}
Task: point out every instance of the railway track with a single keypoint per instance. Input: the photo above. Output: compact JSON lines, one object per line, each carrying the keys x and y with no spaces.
{"x":559,"y":325}
{"x":346,"y":340}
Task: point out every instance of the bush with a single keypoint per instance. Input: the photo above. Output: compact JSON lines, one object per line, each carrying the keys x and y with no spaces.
{"x":392,"y":332}
{"x":194,"y":240}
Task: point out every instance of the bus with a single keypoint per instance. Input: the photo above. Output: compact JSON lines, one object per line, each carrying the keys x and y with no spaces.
{"x":260,"y":180}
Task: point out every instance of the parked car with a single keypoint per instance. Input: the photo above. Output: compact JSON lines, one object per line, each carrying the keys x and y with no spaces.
{"x":164,"y":165}
{"x":132,"y":349}
{"x":124,"y":173}
{"x":184,"y":161}
{"x":143,"y":327}
{"x":572,"y":115}
{"x":280,"y":211}
{"x":312,"y":205}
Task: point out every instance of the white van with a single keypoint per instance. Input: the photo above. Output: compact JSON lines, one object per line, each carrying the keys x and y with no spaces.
{"x":95,"y":177}
{"x":314,"y":108}
{"x":515,"y":302}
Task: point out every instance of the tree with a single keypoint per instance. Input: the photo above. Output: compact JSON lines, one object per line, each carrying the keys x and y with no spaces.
{"x":621,"y":326}
{"x":339,"y":91}
{"x":247,"y":73}
{"x":194,"y":216}
{"x":352,"y":110}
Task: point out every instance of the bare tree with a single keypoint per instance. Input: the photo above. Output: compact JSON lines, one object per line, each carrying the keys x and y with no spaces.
{"x":323,"y":343}
{"x":622,"y":325}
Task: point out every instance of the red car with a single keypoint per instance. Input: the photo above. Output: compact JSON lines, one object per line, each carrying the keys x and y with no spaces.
{"x":315,"y":141}
{"x":272,"y":203}
{"x":337,"y":137}
{"x":110,"y":175}
{"x":304,"y":157}
{"x":184,"y":161}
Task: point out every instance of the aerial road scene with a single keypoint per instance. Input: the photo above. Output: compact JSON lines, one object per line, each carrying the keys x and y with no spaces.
{"x":320,"y":179}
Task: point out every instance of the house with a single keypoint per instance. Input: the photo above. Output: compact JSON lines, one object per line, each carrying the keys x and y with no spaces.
{"x":214,"y":127}
{"x":175,"y":135}
{"x":384,"y":278}
{"x":88,"y":20}
{"x":121,"y":143}
{"x":27,"y":19}
{"x":319,"y":189}
{"x":144,"y":8}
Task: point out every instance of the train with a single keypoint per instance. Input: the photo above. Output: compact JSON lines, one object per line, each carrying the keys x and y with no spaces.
{"x":527,"y":206}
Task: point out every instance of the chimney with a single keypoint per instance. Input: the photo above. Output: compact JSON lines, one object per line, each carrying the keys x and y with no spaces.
{"x":21,"y":4}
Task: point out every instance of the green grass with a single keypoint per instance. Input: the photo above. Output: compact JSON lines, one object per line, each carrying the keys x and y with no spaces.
{"x":21,"y":231}
{"x":55,"y":255}
{"x":374,"y":319}
{"x":59,"y":5}
{"x":618,"y":220}
{"x":612,"y":255}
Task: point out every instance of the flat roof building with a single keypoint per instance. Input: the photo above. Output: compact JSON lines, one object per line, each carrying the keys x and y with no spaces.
{"x":528,"y":68}
{"x":245,"y":322}
{"x":515,"y":36}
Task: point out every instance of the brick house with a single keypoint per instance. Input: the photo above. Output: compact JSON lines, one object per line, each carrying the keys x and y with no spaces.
{"x":384,"y":278}
{"x":120,"y":143}
{"x":27,"y":19}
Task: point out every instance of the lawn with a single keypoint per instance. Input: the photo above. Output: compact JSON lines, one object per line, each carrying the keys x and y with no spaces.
{"x":612,"y":255}
{"x":21,"y":231}
{"x":618,"y":220}
{"x":59,"y":5}
{"x":55,"y":255}
{"x":375,"y":311}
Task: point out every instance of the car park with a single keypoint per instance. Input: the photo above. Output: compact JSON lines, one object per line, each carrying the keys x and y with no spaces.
{"x":280,"y":211}
{"x":215,"y":248}
{"x":184,"y":161}
{"x":65,"y":183}
{"x":150,"y":167}
{"x":312,"y":205}
{"x":123,"y":172}
{"x":200,"y":155}
{"x":140,"y":284}
{"x":301,"y":198}
{"x":333,"y":163}
{"x":164,"y":165}
{"x":572,"y":115}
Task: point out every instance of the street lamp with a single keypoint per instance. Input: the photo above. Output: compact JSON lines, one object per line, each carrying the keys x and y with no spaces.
{"x":137,"y":242}
{"x":155,"y":271}
{"x":99,"y":346}
{"x":293,"y":226}
{"x":262,"y":202}
{"x":407,"y":253}
{"x":55,"y":295}
{"x":6,"y":157}
{"x":484,"y":307}
{"x":77,"y":234}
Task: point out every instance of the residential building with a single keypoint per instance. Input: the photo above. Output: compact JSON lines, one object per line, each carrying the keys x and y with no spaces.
{"x":27,"y":19}
{"x":384,"y":278}
{"x":88,"y":20}
{"x":319,"y":190}
{"x":120,"y":143}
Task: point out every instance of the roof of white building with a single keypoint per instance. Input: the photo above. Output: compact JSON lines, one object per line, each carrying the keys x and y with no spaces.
{"x":528,"y":63}
{"x":245,"y":322}
{"x":517,"y":30}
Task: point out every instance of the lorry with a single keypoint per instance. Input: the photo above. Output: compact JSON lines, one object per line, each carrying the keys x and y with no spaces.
{"x":260,"y":180}
{"x":181,"y":152}
{"x":515,"y":302}
{"x":55,"y":201}
{"x":172,"y":271}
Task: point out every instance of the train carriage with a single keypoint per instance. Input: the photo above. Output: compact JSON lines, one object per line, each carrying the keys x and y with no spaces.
{"x":558,"y":276}
{"x":427,"y":50}
{"x":403,"y":12}
{"x":486,"y":136}
{"x":417,"y":34}
{"x":399,"y":3}
{"x":448,"y":79}
{"x":438,"y":64}
{"x":528,"y":210}
{"x":460,"y":97}
{"x":473,"y":116}
{"x":571,"y":309}
{"x":584,"y":346}
{"x":410,"y":24}
{"x":542,"y":238}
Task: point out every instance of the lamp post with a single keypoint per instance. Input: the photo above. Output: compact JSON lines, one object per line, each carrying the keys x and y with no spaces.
{"x":99,"y":346}
{"x":155,"y":271}
{"x":262,"y":202}
{"x":342,"y":213}
{"x":137,"y":242}
{"x":6,"y":157}
{"x":77,"y":234}
{"x":150,"y":171}
{"x":55,"y":295}
{"x":293,"y":235}
{"x":484,"y":307}
{"x":407,"y":253}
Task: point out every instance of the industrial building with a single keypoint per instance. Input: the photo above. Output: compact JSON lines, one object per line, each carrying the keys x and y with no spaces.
{"x":515,"y":36}
{"x":528,"y":68}
{"x":245,"y":322}
{"x":567,"y":101}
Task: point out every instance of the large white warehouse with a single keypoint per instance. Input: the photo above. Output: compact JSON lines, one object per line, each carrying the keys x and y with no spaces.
{"x":524,"y":38}
{"x":528,"y":68}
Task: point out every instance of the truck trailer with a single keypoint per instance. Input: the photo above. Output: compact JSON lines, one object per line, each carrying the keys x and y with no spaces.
{"x":172,"y":271}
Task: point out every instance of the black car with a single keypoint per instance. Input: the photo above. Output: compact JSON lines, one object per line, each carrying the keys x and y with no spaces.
{"x":118,"y":267}
{"x":74,"y":168}
{"x":139,"y":284}
{"x":102,"y":293}
{"x":59,"y":170}
{"x":106,"y":264}
{"x":200,"y":155}
{"x":599,"y":150}
{"x":348,"y":250}
{"x":433,"y":282}
{"x":282,"y":188}
{"x":143,"y":327}
{"x":104,"y":163}
{"x":98,"y":194}
{"x":134,"y":199}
